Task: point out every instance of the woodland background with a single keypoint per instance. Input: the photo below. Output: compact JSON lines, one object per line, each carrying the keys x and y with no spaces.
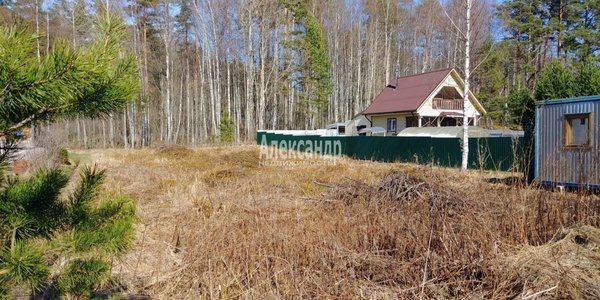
{"x":207,"y":67}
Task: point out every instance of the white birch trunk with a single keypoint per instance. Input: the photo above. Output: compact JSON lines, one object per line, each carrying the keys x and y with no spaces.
{"x":238,"y":110}
{"x":203,"y":113}
{"x":111,"y":131}
{"x":358,"y":75}
{"x":125,"y":139}
{"x":37,"y":29}
{"x":132,"y":126}
{"x":85,"y":138}
{"x":228,"y":84}
{"x":275,"y":93}
{"x":249,"y":77}
{"x":167,"y":104}
{"x":260,"y":110}
{"x":388,"y":37}
{"x":103,"y":134}
{"x":199,"y":81}
{"x":215,"y":84}
{"x":188,"y":107}
{"x":179,"y":111}
{"x":193,"y":108}
{"x":465,"y":152}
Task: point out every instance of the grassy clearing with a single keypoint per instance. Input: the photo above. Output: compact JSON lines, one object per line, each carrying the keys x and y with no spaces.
{"x":217,"y":224}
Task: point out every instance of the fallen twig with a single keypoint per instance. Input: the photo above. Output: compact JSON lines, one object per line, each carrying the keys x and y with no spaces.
{"x":539,"y":293}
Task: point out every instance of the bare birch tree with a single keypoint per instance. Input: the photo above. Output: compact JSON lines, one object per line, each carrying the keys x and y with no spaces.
{"x":467,"y":36}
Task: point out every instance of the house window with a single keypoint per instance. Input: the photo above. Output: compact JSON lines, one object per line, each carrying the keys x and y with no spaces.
{"x":577,"y":130}
{"x":412,"y":122}
{"x":391,"y":125}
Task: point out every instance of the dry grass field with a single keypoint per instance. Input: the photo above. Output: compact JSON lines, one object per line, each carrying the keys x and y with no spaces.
{"x":216,"y":224}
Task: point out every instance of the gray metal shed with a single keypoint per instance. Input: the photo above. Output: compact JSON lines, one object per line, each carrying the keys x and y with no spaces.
{"x":567,"y":142}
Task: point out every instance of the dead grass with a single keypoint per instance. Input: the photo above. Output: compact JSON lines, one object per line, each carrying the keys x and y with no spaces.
{"x":568,"y":264}
{"x":217,"y":224}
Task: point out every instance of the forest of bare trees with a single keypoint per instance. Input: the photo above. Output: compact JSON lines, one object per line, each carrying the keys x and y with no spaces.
{"x":282,"y":64}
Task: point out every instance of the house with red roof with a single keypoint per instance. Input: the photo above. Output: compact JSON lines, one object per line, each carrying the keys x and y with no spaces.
{"x":432,"y":99}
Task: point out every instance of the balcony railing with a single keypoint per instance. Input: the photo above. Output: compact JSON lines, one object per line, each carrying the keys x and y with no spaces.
{"x":450,"y":104}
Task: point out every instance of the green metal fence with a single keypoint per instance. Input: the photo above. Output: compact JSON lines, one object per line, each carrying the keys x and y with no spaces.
{"x":497,"y":153}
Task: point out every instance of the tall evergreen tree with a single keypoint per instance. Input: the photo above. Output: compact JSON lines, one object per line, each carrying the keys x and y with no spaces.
{"x":313,"y":64}
{"x":526,"y":26}
{"x":556,"y":81}
{"x":587,"y":81}
{"x":583,"y":37}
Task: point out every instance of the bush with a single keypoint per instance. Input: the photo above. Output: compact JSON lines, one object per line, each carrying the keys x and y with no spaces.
{"x":226,"y":130}
{"x":63,"y":155}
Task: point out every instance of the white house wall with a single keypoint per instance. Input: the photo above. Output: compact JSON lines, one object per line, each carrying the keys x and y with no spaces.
{"x":427,"y":108}
{"x":381,"y":121}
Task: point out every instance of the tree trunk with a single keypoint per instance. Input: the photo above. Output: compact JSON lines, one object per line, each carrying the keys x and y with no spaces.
{"x":465,"y":152}
{"x":167,"y":104}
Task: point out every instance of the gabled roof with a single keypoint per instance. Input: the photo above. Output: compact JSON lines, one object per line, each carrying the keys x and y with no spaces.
{"x":411,"y":92}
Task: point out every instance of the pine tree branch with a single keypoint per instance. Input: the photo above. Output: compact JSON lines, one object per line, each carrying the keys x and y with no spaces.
{"x":31,"y":118}
{"x":61,"y":73}
{"x":58,"y":75}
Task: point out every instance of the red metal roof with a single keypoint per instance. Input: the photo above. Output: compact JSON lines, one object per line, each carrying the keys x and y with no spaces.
{"x":412,"y":91}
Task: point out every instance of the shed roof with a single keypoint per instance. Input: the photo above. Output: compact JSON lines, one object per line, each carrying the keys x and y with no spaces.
{"x":569,"y":100}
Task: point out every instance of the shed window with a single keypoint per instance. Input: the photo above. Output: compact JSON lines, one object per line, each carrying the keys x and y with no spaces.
{"x":578,"y":130}
{"x":391,"y":125}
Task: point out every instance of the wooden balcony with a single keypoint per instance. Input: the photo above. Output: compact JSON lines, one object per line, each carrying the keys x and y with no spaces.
{"x":448,"y":104}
